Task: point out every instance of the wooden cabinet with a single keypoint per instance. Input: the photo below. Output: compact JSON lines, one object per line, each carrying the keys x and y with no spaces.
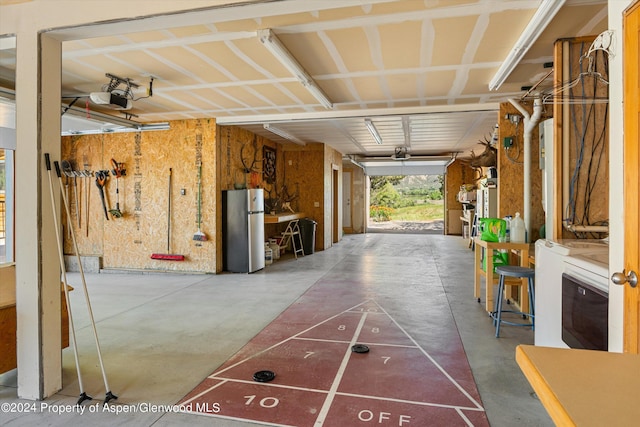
{"x":8,"y":322}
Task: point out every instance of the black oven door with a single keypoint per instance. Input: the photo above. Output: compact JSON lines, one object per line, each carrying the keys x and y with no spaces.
{"x":585,"y":315}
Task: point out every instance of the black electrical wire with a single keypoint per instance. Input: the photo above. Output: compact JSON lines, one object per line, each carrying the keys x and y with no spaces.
{"x":597,"y":144}
{"x":571,"y":204}
{"x":149,"y":93}
{"x":597,"y":154}
{"x":68,"y":107}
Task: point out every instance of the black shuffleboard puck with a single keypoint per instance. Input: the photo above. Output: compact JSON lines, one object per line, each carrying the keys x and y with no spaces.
{"x":264,"y":376}
{"x":360,"y":348}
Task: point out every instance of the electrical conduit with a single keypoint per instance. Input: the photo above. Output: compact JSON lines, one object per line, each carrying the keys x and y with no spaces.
{"x":530,"y":122}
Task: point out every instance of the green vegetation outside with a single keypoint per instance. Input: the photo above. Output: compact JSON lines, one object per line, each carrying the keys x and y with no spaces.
{"x":410,"y":198}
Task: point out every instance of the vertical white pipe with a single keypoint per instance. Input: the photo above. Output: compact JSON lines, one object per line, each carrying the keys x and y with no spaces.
{"x":530,"y":122}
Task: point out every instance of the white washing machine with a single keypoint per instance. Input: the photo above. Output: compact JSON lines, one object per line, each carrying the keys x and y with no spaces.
{"x":550,"y":259}
{"x":585,"y":301}
{"x":592,"y":267}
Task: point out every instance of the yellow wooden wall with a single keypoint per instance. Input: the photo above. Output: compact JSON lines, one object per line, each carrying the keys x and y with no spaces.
{"x":587,"y":129}
{"x":128,"y":242}
{"x":511,"y":171}
{"x":303,"y":178}
{"x":457,"y":174}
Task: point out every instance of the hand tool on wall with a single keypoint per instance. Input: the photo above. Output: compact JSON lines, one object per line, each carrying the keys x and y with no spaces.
{"x":200,"y":236}
{"x":109,"y":395}
{"x":86,"y":173}
{"x":168,"y":256}
{"x":66,"y":168}
{"x":75,"y":190}
{"x":87,"y":188}
{"x":101,"y":180}
{"x":70,"y":172}
{"x":118,"y":172}
{"x":72,"y":329}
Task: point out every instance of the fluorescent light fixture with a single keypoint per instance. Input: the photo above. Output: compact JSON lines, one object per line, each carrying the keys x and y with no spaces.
{"x":283,"y":134}
{"x":275,"y":46}
{"x":533,"y":30}
{"x":373,"y":131}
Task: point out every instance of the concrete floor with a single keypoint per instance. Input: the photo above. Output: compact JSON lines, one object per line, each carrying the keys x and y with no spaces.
{"x":162,"y":334}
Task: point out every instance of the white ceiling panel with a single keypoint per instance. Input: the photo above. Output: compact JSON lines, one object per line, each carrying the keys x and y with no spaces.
{"x":418,"y":69}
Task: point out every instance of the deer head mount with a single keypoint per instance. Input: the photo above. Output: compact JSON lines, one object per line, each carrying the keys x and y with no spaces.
{"x":487,"y":158}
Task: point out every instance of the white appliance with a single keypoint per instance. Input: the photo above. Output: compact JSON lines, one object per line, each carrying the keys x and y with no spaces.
{"x":545,"y":129}
{"x":591,"y":267}
{"x":585,"y":301}
{"x":487,"y":202}
{"x":550,"y":259}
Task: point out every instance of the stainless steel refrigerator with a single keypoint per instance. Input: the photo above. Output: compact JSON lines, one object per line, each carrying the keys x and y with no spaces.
{"x":243,"y":230}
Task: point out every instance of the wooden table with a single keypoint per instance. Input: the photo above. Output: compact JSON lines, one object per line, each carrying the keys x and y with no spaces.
{"x":583,"y":387}
{"x":282,"y":217}
{"x":490,"y":277}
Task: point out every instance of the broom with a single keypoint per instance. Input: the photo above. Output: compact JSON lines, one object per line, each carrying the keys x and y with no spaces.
{"x":168,"y":256}
{"x":200,"y":236}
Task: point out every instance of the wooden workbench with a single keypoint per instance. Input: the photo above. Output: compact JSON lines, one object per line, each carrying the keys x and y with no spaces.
{"x":583,"y":387}
{"x":490,"y":277}
{"x":282,"y":217}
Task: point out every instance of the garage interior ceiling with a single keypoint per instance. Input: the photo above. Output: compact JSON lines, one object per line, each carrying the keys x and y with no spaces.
{"x":418,"y":69}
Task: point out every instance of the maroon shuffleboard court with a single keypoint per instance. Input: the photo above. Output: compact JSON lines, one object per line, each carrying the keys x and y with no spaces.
{"x":320,"y":381}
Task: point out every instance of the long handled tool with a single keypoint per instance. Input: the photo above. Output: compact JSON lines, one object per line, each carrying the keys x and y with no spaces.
{"x":78,"y":211}
{"x":168,"y":256}
{"x":75,"y":191}
{"x":200,"y":236}
{"x":101,"y":179}
{"x":108,"y":396}
{"x":66,"y":167}
{"x":83,"y":395}
{"x":118,"y":172}
{"x":86,"y":173}
{"x":87,"y":177}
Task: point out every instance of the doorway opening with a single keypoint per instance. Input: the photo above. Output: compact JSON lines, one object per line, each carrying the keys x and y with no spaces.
{"x":412,"y":204}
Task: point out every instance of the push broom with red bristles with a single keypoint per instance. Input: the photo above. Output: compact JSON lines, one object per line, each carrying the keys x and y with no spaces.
{"x":168,"y":256}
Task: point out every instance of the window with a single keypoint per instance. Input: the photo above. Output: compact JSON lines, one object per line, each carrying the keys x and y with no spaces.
{"x":6,"y":206}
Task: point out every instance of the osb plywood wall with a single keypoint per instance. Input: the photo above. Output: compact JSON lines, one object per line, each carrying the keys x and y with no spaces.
{"x":230,"y":157}
{"x":357,"y":202}
{"x":586,"y":124}
{"x":303,"y":179}
{"x":240,"y":150}
{"x":511,"y":171}
{"x":143,"y":229}
{"x":457,"y":174}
